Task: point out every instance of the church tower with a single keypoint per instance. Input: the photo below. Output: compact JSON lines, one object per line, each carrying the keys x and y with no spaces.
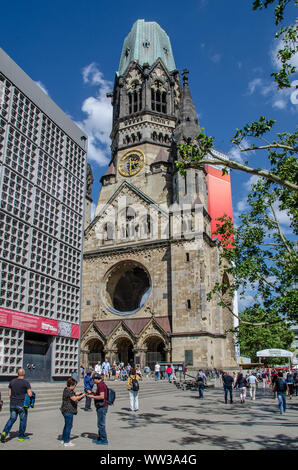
{"x":149,"y":259}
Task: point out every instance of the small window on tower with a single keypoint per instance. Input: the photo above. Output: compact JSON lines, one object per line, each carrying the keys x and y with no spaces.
{"x":135,"y":101}
{"x":158,"y":101}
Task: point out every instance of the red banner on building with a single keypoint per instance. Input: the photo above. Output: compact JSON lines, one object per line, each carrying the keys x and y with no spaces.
{"x":33,"y":323}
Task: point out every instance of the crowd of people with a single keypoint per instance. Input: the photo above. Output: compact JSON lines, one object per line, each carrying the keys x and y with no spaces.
{"x":283,"y":384}
{"x":120,"y":371}
{"x":113,"y":371}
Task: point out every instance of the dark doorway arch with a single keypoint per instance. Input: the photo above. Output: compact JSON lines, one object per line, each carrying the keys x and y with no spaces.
{"x":96,"y":353}
{"x":125,"y":352}
{"x":155,"y":351}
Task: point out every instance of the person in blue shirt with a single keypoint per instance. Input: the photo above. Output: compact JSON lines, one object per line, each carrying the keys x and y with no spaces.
{"x":228,"y":382}
{"x":281,"y":387}
{"x":88,"y":386}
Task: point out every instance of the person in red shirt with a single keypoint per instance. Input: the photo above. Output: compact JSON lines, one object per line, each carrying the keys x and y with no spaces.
{"x":169,"y":372}
{"x":101,"y":404}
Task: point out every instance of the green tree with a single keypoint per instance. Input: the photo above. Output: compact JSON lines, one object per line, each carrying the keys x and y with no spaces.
{"x":278,"y":336}
{"x":262,"y":260}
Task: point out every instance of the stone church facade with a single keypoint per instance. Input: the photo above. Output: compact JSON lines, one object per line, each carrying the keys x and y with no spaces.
{"x":149,"y":259}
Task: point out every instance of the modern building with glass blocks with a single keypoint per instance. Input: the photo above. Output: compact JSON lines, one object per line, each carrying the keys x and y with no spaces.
{"x":42,"y":187}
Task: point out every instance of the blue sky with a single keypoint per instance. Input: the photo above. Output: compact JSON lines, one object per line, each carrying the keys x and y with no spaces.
{"x":73,"y":50}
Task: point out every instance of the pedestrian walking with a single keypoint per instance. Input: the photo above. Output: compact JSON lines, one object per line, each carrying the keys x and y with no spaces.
{"x":133,"y":387}
{"x":17,"y":390}
{"x":252,"y":381}
{"x":201,"y":380}
{"x":88,"y":386}
{"x":280,"y":387}
{"x":97,"y":368}
{"x":295,"y":377}
{"x":290,"y":383}
{"x":147,"y":371}
{"x":101,"y":405}
{"x":273,"y":379}
{"x":157,"y":372}
{"x":69,"y":408}
{"x":241,"y":383}
{"x":169,"y":372}
{"x":228,"y":382}
{"x":105,"y":368}
{"x":264,"y":379}
{"x":173,"y":376}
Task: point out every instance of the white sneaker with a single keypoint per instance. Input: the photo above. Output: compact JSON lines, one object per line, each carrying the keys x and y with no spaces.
{"x":68,"y":444}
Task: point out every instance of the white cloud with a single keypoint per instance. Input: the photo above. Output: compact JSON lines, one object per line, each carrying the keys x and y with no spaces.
{"x":98,"y":109}
{"x":253,"y":84}
{"x":42,"y":87}
{"x":236,"y":154}
{"x":252,"y":180}
{"x":276,"y":46}
{"x":278,"y":98}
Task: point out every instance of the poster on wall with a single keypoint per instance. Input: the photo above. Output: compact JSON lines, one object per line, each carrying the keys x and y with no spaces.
{"x":36,"y":324}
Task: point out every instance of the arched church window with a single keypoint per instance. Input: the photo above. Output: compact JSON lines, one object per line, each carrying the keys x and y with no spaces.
{"x":158,"y":101}
{"x":147,"y":224}
{"x":109,"y":231}
{"x":135,"y":101}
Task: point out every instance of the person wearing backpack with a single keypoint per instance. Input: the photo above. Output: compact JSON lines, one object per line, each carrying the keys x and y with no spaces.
{"x":101,"y":405}
{"x":281,"y":387}
{"x":133,"y":388}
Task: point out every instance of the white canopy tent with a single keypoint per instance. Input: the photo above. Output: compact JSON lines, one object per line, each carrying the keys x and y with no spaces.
{"x":275,"y":353}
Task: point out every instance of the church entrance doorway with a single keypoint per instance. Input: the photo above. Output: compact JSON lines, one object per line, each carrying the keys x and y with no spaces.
{"x":125,"y":351}
{"x":96,"y":354}
{"x":155,"y":351}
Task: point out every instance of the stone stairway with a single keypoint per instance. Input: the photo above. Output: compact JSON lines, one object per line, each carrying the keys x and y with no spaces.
{"x":49,"y":395}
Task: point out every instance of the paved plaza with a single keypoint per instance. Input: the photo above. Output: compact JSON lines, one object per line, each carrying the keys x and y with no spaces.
{"x":168,"y":419}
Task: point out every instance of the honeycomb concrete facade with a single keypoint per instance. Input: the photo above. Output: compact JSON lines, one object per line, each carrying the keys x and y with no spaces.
{"x":42,"y":187}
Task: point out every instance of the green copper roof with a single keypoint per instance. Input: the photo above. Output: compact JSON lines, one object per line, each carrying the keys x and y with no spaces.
{"x":145,"y":43}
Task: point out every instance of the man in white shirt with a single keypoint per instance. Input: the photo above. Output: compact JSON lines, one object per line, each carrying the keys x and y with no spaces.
{"x":98,"y":368}
{"x":252,"y":380}
{"x":106,"y":368}
{"x":157,"y":371}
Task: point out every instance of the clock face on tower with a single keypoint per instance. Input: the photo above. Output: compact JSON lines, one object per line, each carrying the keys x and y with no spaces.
{"x":131,"y":163}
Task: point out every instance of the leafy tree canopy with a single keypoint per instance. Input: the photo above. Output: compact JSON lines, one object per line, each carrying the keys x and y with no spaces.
{"x":262,"y":260}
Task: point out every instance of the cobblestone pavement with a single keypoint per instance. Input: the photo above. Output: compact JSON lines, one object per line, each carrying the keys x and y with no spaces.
{"x":177,"y":420}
